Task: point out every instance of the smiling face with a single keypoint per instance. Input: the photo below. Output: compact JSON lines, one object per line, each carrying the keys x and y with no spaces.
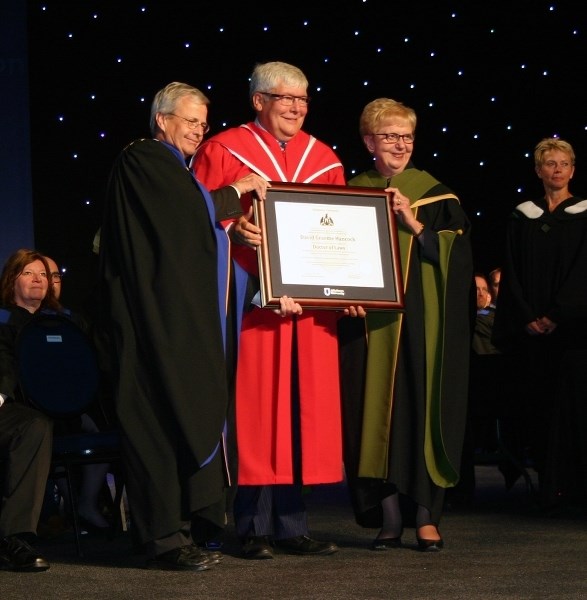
{"x":390,"y":158}
{"x":175,"y":129}
{"x":30,"y":287}
{"x":283,"y":122}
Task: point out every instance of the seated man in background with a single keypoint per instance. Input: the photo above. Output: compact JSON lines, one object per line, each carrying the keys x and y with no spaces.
{"x":93,"y":475}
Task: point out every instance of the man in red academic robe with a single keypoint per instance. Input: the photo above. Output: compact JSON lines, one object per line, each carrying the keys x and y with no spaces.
{"x":287,"y":387}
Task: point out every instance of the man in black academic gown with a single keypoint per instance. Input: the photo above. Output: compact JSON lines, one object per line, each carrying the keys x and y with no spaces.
{"x":165,"y":268}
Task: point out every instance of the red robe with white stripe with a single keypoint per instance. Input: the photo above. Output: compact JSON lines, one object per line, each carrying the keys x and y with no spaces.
{"x":264,"y":371}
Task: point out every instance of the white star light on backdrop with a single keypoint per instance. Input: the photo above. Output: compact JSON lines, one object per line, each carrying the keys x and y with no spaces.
{"x":487,"y":81}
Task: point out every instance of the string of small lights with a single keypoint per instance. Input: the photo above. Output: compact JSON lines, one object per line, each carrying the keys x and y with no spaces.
{"x":487,"y":81}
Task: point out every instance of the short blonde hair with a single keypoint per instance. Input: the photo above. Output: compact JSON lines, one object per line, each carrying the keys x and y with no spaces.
{"x":382,"y":109}
{"x":549,"y":144}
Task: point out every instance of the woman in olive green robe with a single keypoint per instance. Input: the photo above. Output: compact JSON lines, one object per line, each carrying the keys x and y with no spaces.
{"x":406,"y":376}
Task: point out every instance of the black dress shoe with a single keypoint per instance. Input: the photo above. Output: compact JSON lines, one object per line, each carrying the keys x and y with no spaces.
{"x":304,"y":545}
{"x":430,"y":545}
{"x":186,"y":558}
{"x":257,"y":548}
{"x":214,"y":556}
{"x":17,"y":555}
{"x":386,"y":543}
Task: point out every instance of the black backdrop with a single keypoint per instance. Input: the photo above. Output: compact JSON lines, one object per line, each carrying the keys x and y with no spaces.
{"x":487,"y":80}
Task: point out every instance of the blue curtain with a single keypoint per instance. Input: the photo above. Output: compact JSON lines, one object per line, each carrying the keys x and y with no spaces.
{"x":16,"y":206}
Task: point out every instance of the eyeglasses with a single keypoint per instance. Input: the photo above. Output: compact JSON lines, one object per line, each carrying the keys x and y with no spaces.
{"x":286,"y":100}
{"x":56,"y":277}
{"x":193,"y":123}
{"x":31,"y":274}
{"x":394,"y":138}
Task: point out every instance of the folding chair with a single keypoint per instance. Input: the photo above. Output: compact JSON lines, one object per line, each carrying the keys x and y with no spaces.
{"x":58,"y":373}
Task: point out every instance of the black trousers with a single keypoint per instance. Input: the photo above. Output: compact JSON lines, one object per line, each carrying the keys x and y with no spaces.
{"x":26,"y":439}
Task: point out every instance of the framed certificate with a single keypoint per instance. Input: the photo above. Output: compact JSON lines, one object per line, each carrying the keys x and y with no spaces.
{"x":328,"y":247}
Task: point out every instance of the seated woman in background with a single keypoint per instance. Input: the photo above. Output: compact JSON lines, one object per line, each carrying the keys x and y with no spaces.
{"x":25,"y":433}
{"x":27,"y":289}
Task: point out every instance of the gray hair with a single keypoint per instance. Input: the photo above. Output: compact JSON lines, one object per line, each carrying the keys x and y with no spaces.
{"x":166,"y":99}
{"x":267,"y":76}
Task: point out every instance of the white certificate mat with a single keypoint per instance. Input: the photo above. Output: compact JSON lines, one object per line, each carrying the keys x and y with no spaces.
{"x":323,"y":243}
{"x":328,"y":247}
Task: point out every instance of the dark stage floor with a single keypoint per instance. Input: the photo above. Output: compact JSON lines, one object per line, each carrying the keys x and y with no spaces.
{"x":499,"y":547}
